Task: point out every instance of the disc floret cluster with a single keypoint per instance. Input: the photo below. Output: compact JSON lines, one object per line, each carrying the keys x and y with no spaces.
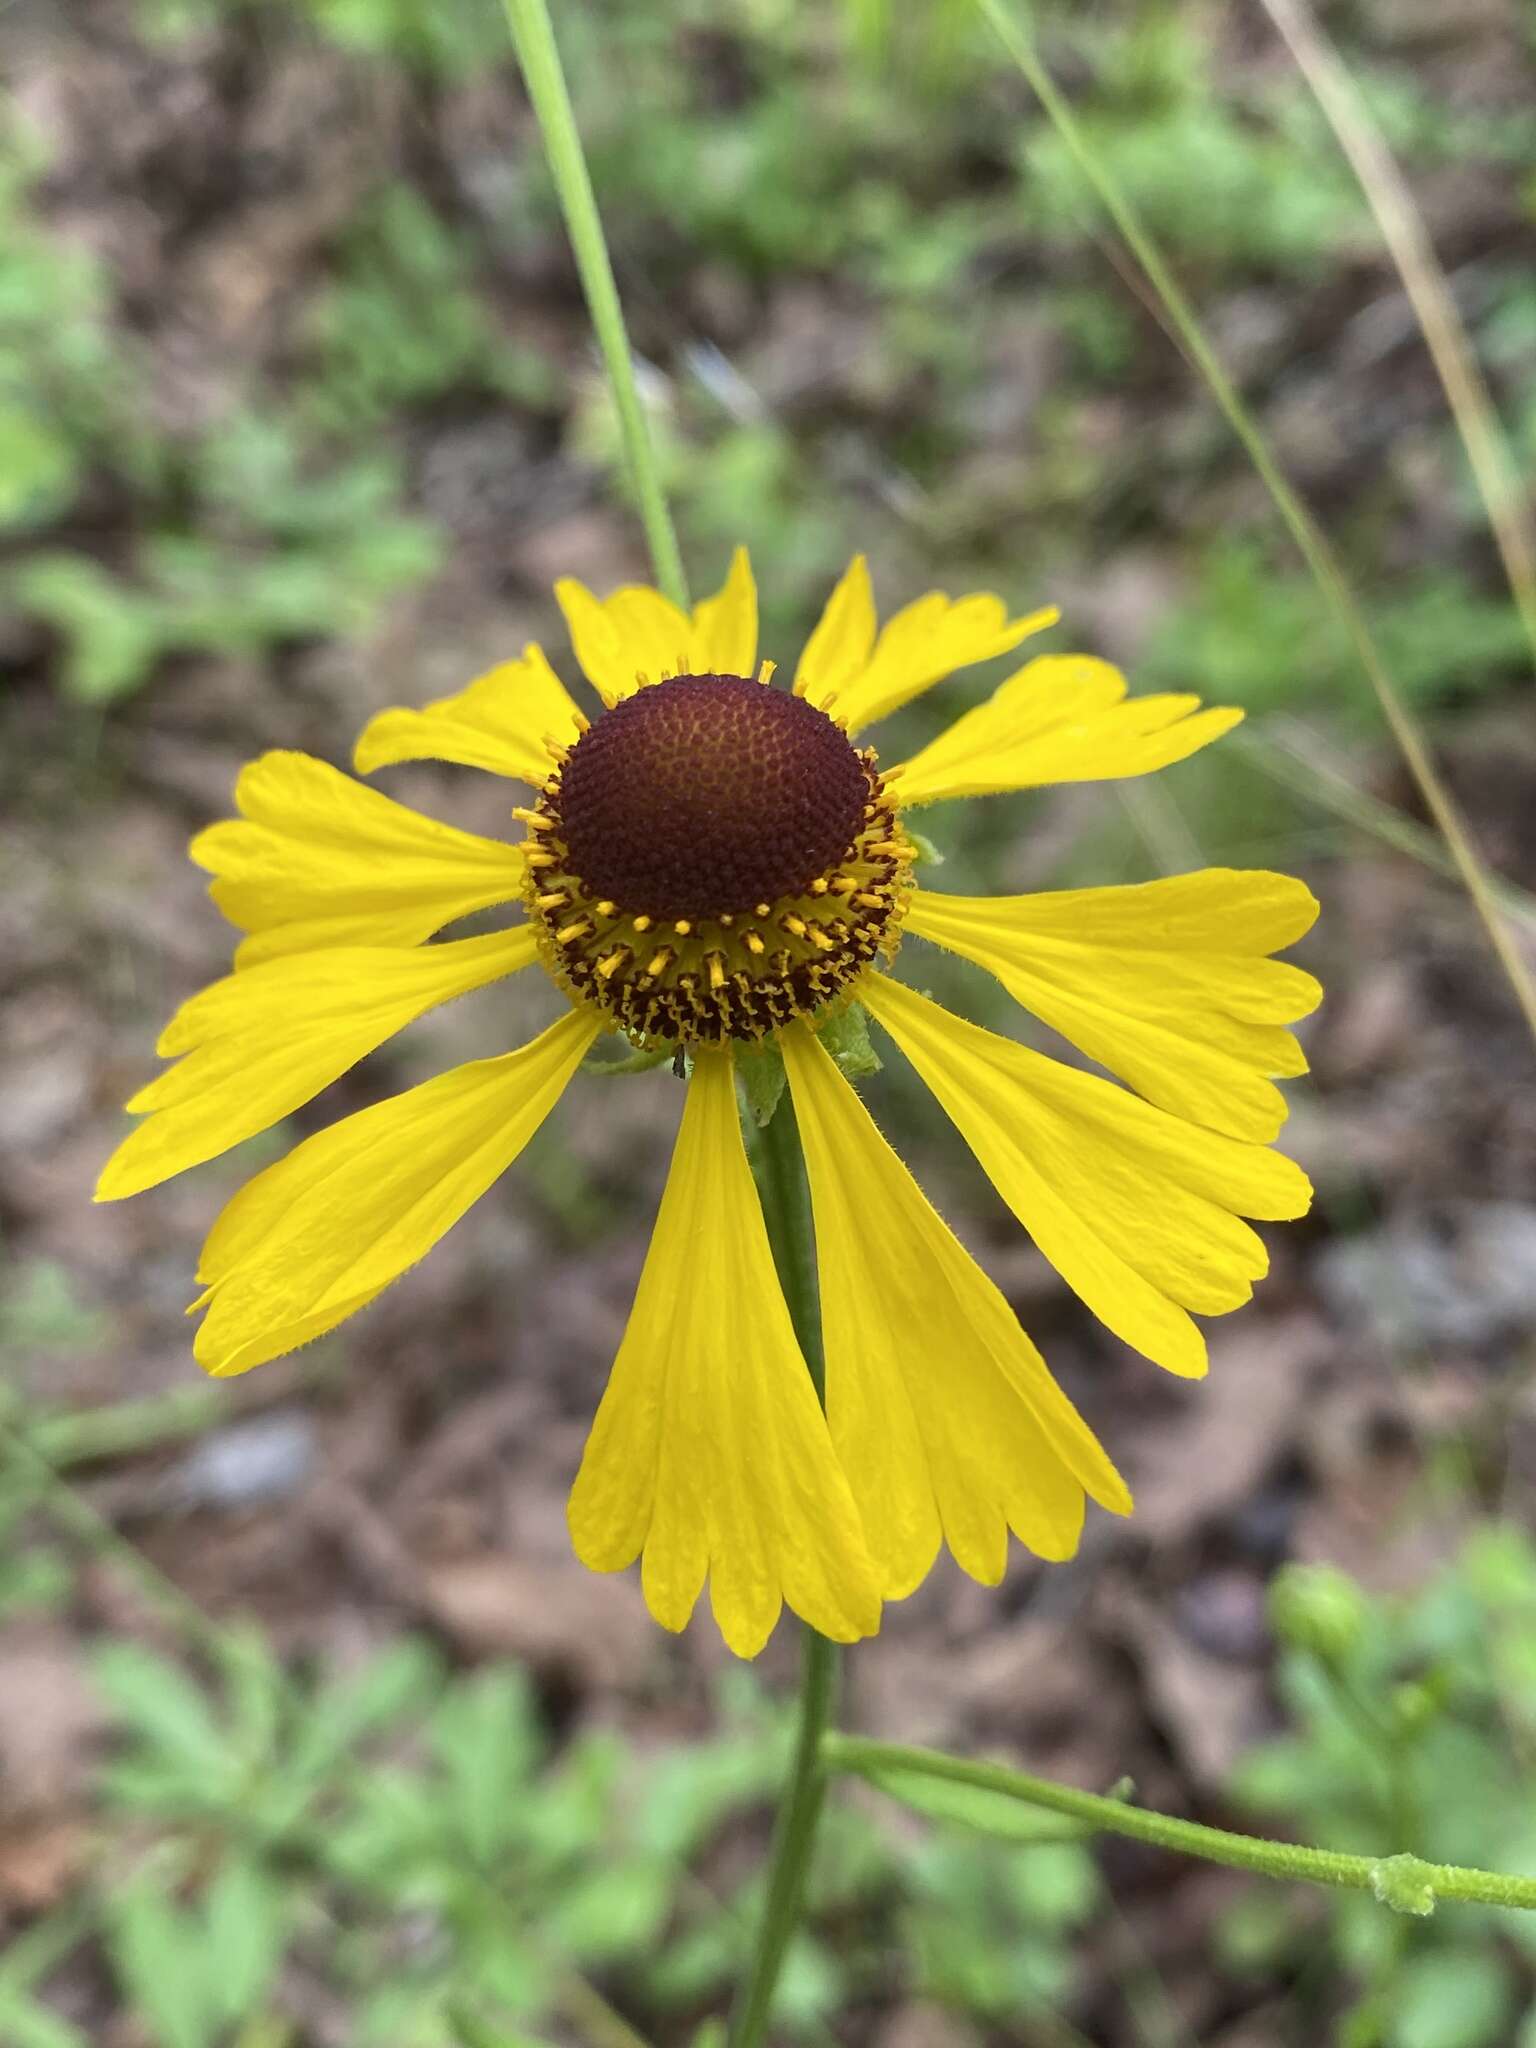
{"x":712,"y":860}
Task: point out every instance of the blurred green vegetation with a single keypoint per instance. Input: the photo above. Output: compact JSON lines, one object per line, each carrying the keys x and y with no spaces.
{"x":1412,"y":1721}
{"x":879,"y":152}
{"x":262,"y":528}
{"x":427,"y":1848}
{"x":420,"y":1847}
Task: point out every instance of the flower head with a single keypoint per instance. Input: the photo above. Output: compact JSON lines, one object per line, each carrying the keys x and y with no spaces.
{"x":714,"y":861}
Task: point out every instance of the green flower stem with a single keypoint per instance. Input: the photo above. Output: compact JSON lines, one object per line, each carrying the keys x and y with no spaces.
{"x":786,"y":1198}
{"x":794,"y":1834}
{"x":534,"y":36}
{"x":787,"y":1209}
{"x":1405,"y":1883}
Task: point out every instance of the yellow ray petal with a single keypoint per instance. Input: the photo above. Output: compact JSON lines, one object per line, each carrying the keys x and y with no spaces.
{"x":942,"y":1412}
{"x":261,"y":1042}
{"x":1165,"y":983}
{"x":505,"y":721}
{"x":710,"y":1453}
{"x":1136,"y":1209}
{"x":319,"y":860}
{"x":921,"y":644}
{"x":843,"y":640}
{"x":1060,"y":718}
{"x":325,"y":1230}
{"x":724,"y":637}
{"x":636,"y":632}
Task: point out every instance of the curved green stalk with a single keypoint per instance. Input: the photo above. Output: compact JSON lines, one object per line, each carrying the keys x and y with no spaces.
{"x":1406,"y":1883}
{"x":786,"y":1198}
{"x":539,"y":56}
{"x":794,"y":1833}
{"x":787,"y":1211}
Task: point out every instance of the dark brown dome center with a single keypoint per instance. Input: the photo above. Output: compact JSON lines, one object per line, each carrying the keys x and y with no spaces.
{"x":709,"y":794}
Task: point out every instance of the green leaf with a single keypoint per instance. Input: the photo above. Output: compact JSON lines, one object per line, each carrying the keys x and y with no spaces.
{"x":244,"y":1915}
{"x":38,"y":467}
{"x":506,"y":1968}
{"x":254,"y":1693}
{"x":696,"y":1962}
{"x":618,"y":1910}
{"x":486,"y":1736}
{"x":400,"y":1681}
{"x":811,"y":1986}
{"x":41,"y":1577}
{"x":161,"y":1963}
{"x":1451,"y":1998}
{"x":569,"y":1808}
{"x":112,"y":632}
{"x":161,"y":1705}
{"x":1254,"y":1934}
{"x":1499,"y":1564}
{"x":471,"y":2030}
{"x":1055,"y":1885}
{"x":1318,"y":1608}
{"x":846,"y":1037}
{"x":689,"y":1792}
{"x":637,"y":1062}
{"x":762,"y":1077}
{"x":26,"y":2024}
{"x":392,"y":1840}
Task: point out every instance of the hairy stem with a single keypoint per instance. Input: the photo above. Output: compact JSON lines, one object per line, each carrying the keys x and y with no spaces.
{"x":1404,"y":1882}
{"x":539,"y":56}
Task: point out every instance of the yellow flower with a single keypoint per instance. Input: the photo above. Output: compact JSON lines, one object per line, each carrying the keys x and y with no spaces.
{"x":709,"y":863}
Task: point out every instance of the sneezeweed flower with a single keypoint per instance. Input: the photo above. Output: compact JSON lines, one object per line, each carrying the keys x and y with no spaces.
{"x":716,"y":865}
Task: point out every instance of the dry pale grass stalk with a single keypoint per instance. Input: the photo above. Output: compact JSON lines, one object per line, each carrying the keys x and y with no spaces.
{"x":1424,"y":280}
{"x":1308,"y":536}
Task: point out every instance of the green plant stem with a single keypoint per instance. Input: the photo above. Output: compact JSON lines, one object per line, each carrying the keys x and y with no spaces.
{"x":537,"y":52}
{"x":1383,"y":1876}
{"x":794,"y":1834}
{"x":120,"y":1429}
{"x":74,"y":1516}
{"x":787,"y":1211}
{"x":786,"y":1198}
{"x":1002,"y":16}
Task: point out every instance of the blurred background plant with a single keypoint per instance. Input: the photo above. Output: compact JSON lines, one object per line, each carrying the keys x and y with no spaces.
{"x":310,"y":1732}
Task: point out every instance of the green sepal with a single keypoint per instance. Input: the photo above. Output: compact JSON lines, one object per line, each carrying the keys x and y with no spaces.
{"x":846,"y":1037}
{"x":639,"y":1061}
{"x":762,"y":1078}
